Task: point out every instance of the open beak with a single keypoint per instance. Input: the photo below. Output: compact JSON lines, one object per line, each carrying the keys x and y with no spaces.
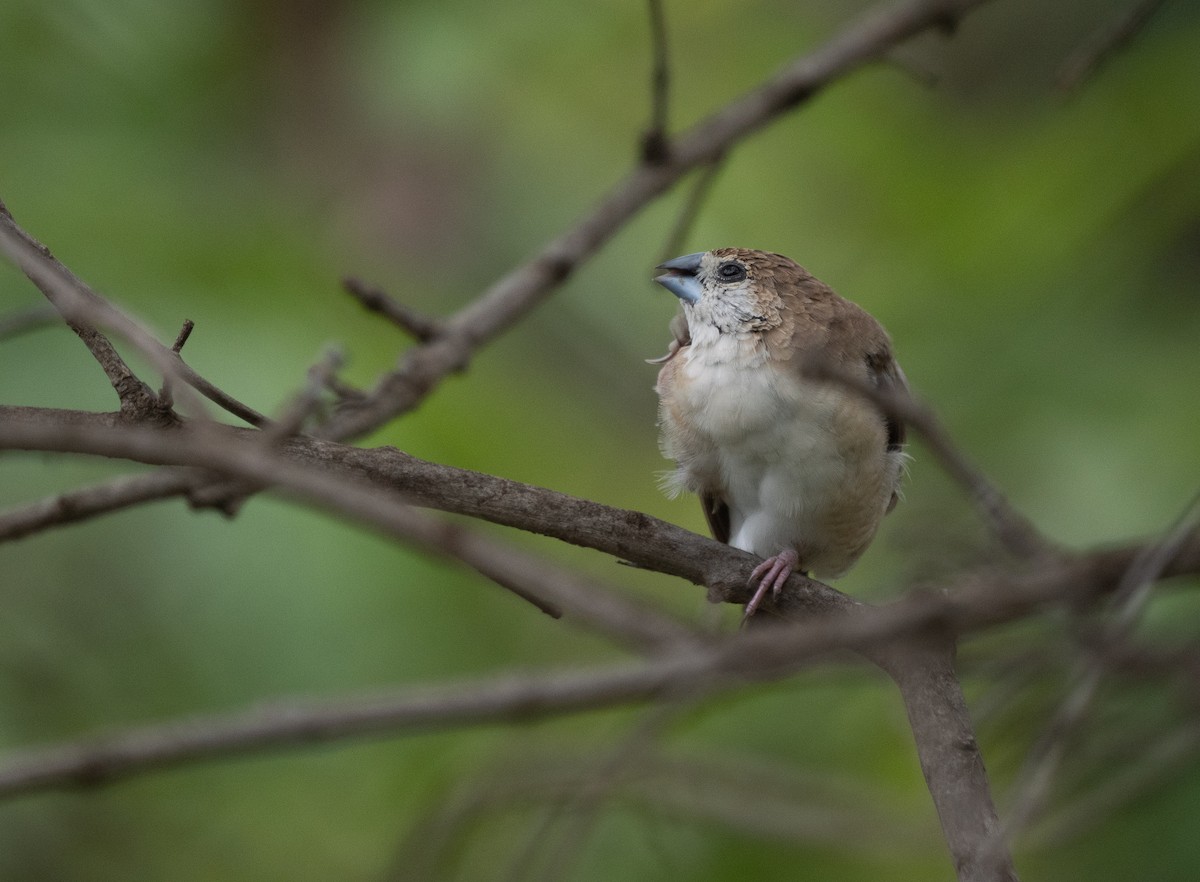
{"x":680,"y":277}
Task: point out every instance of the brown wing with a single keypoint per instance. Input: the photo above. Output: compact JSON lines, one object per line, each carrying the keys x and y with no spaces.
{"x":716,"y":512}
{"x":885,"y":373}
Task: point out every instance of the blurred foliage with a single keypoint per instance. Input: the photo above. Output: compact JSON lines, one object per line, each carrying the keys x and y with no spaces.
{"x":1036,"y":258}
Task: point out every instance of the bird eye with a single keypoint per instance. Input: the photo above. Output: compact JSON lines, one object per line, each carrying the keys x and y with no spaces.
{"x":731,"y":271}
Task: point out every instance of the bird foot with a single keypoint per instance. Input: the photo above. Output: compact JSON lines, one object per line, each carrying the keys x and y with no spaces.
{"x":770,"y":575}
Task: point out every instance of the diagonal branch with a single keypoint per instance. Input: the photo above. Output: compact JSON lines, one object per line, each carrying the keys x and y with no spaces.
{"x":85,"y":503}
{"x":1103,"y":44}
{"x":79,"y":307}
{"x":1133,"y":593}
{"x":85,"y":310}
{"x":1012,"y":528}
{"x":240,"y":454}
{"x":866,"y":39}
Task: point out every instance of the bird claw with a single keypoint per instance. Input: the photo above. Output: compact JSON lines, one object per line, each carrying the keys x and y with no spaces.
{"x":771,"y":575}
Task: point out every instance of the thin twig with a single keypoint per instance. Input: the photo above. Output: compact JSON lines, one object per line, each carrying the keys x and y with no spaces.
{"x":1010,"y":527}
{"x":85,"y":310}
{"x":23,"y":321}
{"x":1106,"y":41}
{"x":656,"y":148}
{"x":1132,"y":592}
{"x":305,"y":403}
{"x":219,"y":397}
{"x":182,"y":337}
{"x":80,"y":308}
{"x":863,"y":41}
{"x":165,"y":394}
{"x":420,"y":328}
{"x":88,"y":502}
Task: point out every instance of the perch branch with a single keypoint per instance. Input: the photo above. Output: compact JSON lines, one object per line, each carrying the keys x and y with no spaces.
{"x":242,"y":455}
{"x":419,"y":327}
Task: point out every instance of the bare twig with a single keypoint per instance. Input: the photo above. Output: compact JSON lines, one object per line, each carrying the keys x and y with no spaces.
{"x":1105,"y":42}
{"x":88,"y":502}
{"x":218,"y":396}
{"x":84,"y":310}
{"x":306,"y":402}
{"x":22,"y":321}
{"x":165,"y":395}
{"x":656,"y":148}
{"x":1132,"y":592}
{"x":182,"y":337}
{"x":419,"y":327}
{"x":863,"y":41}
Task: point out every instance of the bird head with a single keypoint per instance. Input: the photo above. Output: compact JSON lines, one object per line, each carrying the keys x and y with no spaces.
{"x":732,"y":289}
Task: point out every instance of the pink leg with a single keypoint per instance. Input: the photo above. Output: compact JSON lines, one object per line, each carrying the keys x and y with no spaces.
{"x":770,"y":575}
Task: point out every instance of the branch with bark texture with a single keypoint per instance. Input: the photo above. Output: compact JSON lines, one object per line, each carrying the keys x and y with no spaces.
{"x":449,"y":344}
{"x":912,"y":639}
{"x":760,"y":653}
{"x":691,"y":669}
{"x":895,"y":636}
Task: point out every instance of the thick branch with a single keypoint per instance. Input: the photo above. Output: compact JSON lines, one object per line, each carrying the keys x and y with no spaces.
{"x":629,"y":535}
{"x":239,"y":454}
{"x":892,"y":636}
{"x":762,"y":653}
{"x":950,"y":759}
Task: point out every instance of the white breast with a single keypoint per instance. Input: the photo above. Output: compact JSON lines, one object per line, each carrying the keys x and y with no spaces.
{"x":800,"y":465}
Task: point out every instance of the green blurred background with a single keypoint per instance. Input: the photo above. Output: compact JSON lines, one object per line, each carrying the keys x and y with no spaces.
{"x":1036,"y":257}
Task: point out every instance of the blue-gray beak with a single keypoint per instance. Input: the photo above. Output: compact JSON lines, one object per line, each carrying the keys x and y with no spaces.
{"x":680,"y":277}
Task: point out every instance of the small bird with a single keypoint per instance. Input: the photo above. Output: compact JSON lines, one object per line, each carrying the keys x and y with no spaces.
{"x":797,"y":471}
